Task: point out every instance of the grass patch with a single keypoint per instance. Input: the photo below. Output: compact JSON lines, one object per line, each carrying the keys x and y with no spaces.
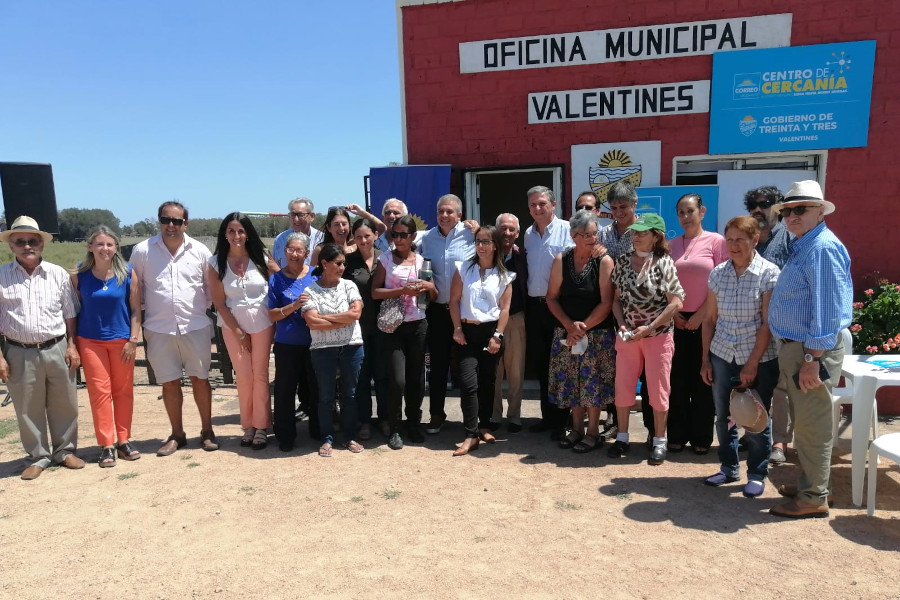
{"x":186,"y":456}
{"x":377,"y":450}
{"x":7,"y":427}
{"x":356,"y":499}
{"x":389,"y":494}
{"x":192,"y":465}
{"x":566,"y":505}
{"x":219,"y":398}
{"x":479,"y":539}
{"x":124,"y":476}
{"x":624,"y":496}
{"x":249,"y":490}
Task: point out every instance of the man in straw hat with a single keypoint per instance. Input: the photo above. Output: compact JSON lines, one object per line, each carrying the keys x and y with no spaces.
{"x":37,"y":317}
{"x":811,"y":303}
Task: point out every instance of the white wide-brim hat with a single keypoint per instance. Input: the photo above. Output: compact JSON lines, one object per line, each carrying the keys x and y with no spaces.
{"x":805,"y":191}
{"x":25,"y":225}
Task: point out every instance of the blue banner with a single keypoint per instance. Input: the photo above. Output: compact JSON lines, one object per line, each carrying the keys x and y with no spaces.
{"x":661,"y":200}
{"x":799,"y":98}
{"x":418,"y":186}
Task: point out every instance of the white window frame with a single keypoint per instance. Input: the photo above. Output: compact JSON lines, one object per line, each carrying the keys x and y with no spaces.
{"x":816,"y":160}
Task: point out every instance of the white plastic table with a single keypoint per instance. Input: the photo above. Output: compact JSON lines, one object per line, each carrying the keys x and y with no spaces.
{"x":868,"y":373}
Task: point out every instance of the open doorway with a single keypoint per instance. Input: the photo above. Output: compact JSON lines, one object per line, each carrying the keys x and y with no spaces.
{"x":490,"y":192}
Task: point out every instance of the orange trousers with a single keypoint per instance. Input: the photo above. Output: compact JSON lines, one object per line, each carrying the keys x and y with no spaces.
{"x":110,"y":384}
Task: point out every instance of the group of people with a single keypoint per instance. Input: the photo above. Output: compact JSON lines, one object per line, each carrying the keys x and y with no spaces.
{"x":361,"y":302}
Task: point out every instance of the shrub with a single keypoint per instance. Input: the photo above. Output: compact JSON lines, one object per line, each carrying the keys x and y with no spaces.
{"x":876,"y":320}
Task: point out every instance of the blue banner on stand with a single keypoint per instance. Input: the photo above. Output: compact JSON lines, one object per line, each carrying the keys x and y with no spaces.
{"x":799,"y":98}
{"x":418,"y":186}
{"x":661,"y":200}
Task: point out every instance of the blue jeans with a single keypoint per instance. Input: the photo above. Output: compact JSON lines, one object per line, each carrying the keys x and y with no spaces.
{"x":326,"y":362}
{"x":374,"y":366}
{"x":759,"y":444}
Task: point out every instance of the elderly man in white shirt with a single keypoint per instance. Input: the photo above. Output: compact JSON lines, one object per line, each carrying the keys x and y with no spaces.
{"x":171,"y":268}
{"x":37,"y":317}
{"x":301,"y":213}
{"x":547,"y":237}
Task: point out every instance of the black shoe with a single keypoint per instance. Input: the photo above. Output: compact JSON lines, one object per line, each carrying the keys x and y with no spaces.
{"x":514,"y":428}
{"x":657,"y":455}
{"x":395,"y":442}
{"x":493,"y":425}
{"x":618,"y":449}
{"x":415,"y":434}
{"x":285,"y":446}
{"x":540,"y":427}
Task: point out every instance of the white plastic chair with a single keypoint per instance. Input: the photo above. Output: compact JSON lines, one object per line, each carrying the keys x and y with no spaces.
{"x":889,"y":447}
{"x":844,"y":394}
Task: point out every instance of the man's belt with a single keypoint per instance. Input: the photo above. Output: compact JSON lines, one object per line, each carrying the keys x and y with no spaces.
{"x":789,"y":341}
{"x":39,"y":345}
{"x":541,"y":299}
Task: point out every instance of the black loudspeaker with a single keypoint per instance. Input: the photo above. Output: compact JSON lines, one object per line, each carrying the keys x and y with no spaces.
{"x":28,"y":190}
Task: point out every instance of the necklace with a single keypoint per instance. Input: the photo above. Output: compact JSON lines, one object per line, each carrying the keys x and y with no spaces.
{"x":686,"y":250}
{"x":106,"y":283}
{"x":105,"y":279}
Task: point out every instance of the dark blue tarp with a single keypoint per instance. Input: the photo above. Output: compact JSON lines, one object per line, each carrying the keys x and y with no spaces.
{"x":419,"y":186}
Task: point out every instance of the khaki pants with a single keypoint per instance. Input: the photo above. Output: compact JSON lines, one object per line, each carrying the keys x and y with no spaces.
{"x":512,"y":364}
{"x":812,"y":416}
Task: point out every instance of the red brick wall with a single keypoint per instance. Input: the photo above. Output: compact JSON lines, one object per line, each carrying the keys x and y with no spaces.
{"x":481,"y":120}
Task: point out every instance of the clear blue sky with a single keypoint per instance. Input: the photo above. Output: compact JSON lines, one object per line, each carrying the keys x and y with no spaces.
{"x":224,"y":105}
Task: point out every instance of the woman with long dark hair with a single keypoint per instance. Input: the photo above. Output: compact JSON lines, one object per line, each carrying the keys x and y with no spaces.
{"x":397,"y":276}
{"x":480,"y":294}
{"x":239,"y":271}
{"x":332,"y":314}
{"x":336,"y":230}
{"x":109,"y":327}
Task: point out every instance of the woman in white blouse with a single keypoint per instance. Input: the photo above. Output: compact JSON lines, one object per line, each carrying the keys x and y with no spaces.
{"x":332,"y":313}
{"x":479,"y":307}
{"x":238,"y":281}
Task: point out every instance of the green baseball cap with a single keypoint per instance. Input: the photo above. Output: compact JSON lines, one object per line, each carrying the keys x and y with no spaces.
{"x":648,"y":221}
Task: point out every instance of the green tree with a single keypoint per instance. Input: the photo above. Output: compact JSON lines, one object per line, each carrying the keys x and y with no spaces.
{"x":77,"y":223}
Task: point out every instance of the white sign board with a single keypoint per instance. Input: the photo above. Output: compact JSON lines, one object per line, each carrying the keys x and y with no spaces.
{"x":629,"y":43}
{"x":598,"y":166}
{"x":656,"y":99}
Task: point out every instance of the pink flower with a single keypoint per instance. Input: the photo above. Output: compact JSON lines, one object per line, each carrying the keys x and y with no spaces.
{"x":897,"y":338}
{"x":869,"y":292}
{"x":855,"y":327}
{"x":858,"y":305}
{"x":871,"y":349}
{"x":886,"y":347}
{"x":898,"y":288}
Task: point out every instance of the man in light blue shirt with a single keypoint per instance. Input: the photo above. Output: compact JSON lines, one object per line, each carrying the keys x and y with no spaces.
{"x":445,"y":245}
{"x":811,"y":303}
{"x":547,"y":237}
{"x":301,"y":212}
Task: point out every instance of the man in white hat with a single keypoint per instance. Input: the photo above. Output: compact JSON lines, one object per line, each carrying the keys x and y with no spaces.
{"x":811,"y":303}
{"x":38,"y":310}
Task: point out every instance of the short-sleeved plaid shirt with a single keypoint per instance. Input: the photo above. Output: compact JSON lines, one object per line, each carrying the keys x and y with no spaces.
{"x":739,"y":302}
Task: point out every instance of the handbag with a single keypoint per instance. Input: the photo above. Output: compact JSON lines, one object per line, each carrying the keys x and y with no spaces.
{"x":390,"y":314}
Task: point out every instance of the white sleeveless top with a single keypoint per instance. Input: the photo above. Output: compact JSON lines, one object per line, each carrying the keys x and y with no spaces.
{"x":245,"y":297}
{"x":481,"y":298}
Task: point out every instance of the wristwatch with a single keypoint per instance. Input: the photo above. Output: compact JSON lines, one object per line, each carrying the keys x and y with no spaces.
{"x":810,"y":358}
{"x":498,"y":335}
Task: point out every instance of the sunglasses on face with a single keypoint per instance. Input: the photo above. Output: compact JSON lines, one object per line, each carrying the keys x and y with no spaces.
{"x":399,"y":234}
{"x":763,"y":204}
{"x":20,"y":243}
{"x":171,"y":221}
{"x":583,"y":207}
{"x":797,"y":210}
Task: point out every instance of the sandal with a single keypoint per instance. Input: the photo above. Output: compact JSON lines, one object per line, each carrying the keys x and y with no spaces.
{"x":586,"y":444}
{"x":127,"y":452}
{"x":325,"y":450}
{"x":107,"y":458}
{"x":675,"y":448}
{"x":247,"y":438}
{"x":570,"y":440}
{"x":354,"y":447}
{"x":260,"y":440}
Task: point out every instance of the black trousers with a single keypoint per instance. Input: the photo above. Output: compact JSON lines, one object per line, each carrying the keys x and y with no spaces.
{"x":406,"y":372}
{"x":692,"y":411}
{"x":440,"y":342}
{"x":477,"y":372}
{"x":293,"y":369}
{"x":540,"y":325}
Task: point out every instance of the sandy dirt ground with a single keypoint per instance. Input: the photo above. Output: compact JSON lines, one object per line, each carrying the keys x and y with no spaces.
{"x":516,"y":519}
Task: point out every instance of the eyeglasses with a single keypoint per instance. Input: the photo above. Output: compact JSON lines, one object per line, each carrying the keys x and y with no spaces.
{"x":171,"y":221}
{"x":752,"y":204}
{"x":586,"y":235}
{"x":295,"y":250}
{"x":299,"y":215}
{"x":483,"y":242}
{"x":400,"y":234}
{"x":584,"y":207}
{"x":20,"y":243}
{"x":797,"y":210}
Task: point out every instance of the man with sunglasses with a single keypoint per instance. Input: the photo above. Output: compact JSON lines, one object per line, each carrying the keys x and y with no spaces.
{"x":773,"y":246}
{"x":811,"y":303}
{"x":37,"y":318}
{"x":171,"y":269}
{"x":301,"y":213}
{"x":587,"y":200}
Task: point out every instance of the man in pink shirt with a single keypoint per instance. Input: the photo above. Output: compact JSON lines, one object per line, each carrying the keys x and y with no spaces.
{"x":171,"y":268}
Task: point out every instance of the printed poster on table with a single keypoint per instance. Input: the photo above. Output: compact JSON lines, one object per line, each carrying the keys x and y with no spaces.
{"x":598,"y":166}
{"x":799,"y":98}
{"x":661,"y":200}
